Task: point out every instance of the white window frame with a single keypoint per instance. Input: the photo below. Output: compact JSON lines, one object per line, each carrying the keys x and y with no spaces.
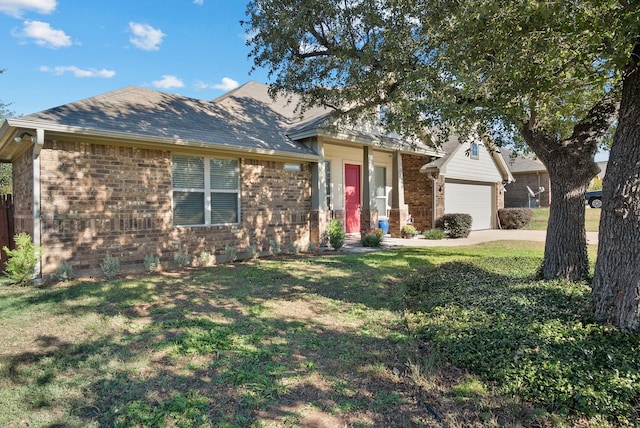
{"x":207,"y":190}
{"x":475,"y":146}
{"x":376,"y":197}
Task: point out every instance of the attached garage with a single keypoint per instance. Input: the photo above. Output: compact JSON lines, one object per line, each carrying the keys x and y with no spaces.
{"x":470,"y":198}
{"x":468,"y":179}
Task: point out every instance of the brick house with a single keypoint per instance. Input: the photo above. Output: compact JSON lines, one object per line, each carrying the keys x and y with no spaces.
{"x":135,"y":172}
{"x":529,"y":173}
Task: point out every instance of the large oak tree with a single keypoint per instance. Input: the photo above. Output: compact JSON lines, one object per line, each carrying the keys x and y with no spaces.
{"x":542,"y":73}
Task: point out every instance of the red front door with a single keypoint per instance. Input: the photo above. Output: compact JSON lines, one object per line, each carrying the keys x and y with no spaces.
{"x":352,"y":197}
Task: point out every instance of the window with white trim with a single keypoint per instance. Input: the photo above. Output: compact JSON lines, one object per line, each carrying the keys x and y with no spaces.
{"x":205,"y":191}
{"x":474,"y":151}
{"x":380,"y":177}
{"x":327,"y":182}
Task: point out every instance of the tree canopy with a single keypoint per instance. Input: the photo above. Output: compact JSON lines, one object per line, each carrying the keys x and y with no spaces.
{"x":442,"y":64}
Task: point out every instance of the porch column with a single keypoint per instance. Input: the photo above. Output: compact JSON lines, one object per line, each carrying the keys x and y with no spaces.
{"x":398,"y":212}
{"x":368,"y":210}
{"x":319,"y":215}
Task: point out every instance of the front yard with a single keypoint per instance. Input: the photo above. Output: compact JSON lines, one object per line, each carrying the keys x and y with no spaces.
{"x":451,"y":337}
{"x":541,"y":218}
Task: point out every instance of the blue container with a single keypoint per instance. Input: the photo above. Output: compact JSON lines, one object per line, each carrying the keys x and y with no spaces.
{"x":384,"y":225}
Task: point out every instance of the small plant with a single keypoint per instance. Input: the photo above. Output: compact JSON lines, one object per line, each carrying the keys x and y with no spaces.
{"x":379,"y":233}
{"x":274,"y":245}
{"x":292,"y":248}
{"x":435,"y":234}
{"x":324,"y":238}
{"x":313,"y":247}
{"x":151,"y":263}
{"x":22,"y":260}
{"x":515,"y":218}
{"x":409,"y":231}
{"x":64,"y":272}
{"x":252,"y":252}
{"x":336,"y":234}
{"x":110,"y":266}
{"x":182,"y":259}
{"x":205,"y":258}
{"x":456,"y":225}
{"x":231,"y":253}
{"x":370,"y":240}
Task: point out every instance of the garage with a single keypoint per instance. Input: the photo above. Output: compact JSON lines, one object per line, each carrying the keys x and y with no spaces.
{"x":470,"y":198}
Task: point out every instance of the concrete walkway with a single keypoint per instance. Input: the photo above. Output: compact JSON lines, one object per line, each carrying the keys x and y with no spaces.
{"x":352,"y":243}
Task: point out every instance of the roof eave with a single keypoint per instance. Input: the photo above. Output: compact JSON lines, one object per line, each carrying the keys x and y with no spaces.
{"x":371,"y":140}
{"x":91,"y":133}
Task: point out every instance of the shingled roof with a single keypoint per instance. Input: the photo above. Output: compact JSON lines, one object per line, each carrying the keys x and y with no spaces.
{"x":172,"y":119}
{"x":246,"y":119}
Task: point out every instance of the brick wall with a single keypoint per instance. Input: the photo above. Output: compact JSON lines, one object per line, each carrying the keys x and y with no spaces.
{"x":22,"y":177}
{"x":99,"y":198}
{"x":516,"y":194}
{"x":418,"y":191}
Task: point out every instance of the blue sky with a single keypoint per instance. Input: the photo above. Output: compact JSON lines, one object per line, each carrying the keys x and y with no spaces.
{"x":59,"y":51}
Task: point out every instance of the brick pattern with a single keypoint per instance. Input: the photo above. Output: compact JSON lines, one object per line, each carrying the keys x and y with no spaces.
{"x":22,"y":177}
{"x":516,"y":195}
{"x":418,"y":191}
{"x":99,"y":198}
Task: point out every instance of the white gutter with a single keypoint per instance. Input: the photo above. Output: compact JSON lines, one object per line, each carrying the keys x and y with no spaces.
{"x":125,"y":136}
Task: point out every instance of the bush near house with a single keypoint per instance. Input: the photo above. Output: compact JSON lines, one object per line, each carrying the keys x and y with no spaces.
{"x":22,"y":260}
{"x":455,"y":225}
{"x":515,"y":218}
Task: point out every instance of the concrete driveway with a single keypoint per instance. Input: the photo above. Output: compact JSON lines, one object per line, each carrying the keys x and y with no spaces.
{"x":352,"y":243}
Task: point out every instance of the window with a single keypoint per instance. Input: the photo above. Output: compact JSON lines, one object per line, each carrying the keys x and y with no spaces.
{"x":380,"y":176}
{"x":205,"y":191}
{"x":292,"y":166}
{"x":473,"y":150}
{"x":327,"y":181}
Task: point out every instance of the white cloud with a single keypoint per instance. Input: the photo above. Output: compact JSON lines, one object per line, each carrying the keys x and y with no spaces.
{"x":78,"y":72}
{"x":227,"y":84}
{"x":43,"y":35}
{"x":17,"y":7}
{"x":145,"y":37}
{"x":200,"y":2}
{"x":168,"y":82}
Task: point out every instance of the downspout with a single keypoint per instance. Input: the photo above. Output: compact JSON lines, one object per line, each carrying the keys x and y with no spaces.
{"x":37,"y":232}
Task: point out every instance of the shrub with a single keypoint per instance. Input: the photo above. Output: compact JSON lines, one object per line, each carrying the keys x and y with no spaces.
{"x":292,"y":248}
{"x":434,"y":234}
{"x":456,"y":225}
{"x":370,"y":240}
{"x":515,"y":218}
{"x":22,"y":260}
{"x":336,"y":234}
{"x":110,"y":266}
{"x":274,"y":245}
{"x":409,"y":230}
{"x":182,"y":259}
{"x":313,"y":247}
{"x":64,"y":272}
{"x":231,"y":252}
{"x":151,"y":263}
{"x":252,"y":252}
{"x":379,"y":233}
{"x":205,"y":258}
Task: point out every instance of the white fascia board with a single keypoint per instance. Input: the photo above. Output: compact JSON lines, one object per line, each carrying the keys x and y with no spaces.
{"x":159,"y":141}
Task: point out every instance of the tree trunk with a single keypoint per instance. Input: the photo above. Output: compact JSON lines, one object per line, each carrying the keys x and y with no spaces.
{"x":616,"y":283}
{"x":571,"y":167}
{"x":565,"y":251}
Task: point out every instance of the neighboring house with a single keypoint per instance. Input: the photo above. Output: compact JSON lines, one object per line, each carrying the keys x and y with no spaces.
{"x":135,"y":172}
{"x":532,"y":186}
{"x":530,"y":173}
{"x":469,"y":179}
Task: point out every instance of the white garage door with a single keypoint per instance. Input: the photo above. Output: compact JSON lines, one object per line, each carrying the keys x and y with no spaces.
{"x":474,"y":199}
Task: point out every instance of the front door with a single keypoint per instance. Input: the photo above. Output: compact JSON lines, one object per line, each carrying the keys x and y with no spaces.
{"x":352,"y":197}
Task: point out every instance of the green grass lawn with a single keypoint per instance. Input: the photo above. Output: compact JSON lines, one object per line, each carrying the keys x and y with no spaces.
{"x":541,"y":218}
{"x":409,"y":337}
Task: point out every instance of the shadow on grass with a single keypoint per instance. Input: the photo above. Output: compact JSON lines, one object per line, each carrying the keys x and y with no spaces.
{"x":210,"y":347}
{"x":534,"y":339}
